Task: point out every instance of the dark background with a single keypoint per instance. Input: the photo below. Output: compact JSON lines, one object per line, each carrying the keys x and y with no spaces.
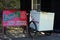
{"x":26,"y":5}
{"x":46,"y":5}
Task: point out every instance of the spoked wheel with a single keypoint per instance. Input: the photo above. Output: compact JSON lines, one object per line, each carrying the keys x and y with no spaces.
{"x":32,"y":29}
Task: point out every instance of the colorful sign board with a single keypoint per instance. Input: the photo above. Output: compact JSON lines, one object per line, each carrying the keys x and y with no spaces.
{"x":14,"y":18}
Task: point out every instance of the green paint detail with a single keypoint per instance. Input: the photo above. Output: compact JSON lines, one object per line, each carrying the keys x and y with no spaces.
{"x":17,"y":13}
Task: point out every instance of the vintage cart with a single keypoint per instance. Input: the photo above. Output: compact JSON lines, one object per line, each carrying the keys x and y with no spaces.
{"x":41,"y":21}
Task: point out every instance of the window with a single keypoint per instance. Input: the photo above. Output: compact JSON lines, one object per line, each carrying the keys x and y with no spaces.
{"x":36,"y":4}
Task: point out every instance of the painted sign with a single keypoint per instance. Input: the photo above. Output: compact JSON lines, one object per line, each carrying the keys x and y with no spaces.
{"x":14,"y":18}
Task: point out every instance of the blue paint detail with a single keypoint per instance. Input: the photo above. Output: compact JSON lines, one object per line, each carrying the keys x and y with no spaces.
{"x":9,"y":17}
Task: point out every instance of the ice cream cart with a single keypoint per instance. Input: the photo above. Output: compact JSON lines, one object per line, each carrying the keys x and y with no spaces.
{"x":41,"y":21}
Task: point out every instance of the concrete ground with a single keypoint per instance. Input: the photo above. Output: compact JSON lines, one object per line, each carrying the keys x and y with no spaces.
{"x":55,"y":36}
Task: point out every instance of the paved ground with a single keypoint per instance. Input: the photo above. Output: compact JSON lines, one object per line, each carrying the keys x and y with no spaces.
{"x":52,"y":37}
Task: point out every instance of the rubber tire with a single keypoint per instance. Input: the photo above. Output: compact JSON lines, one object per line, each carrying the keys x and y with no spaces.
{"x":48,"y":33}
{"x":32,"y":31}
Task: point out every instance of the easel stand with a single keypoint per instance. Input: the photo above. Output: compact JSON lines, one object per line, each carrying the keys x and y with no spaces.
{"x":2,"y":33}
{"x":5,"y":29}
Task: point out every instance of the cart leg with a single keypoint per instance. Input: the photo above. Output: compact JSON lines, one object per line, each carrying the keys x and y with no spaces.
{"x":27,"y":31}
{"x":2,"y":33}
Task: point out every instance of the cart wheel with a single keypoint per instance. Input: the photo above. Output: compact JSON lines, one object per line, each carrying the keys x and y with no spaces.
{"x":48,"y":33}
{"x":32,"y":32}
